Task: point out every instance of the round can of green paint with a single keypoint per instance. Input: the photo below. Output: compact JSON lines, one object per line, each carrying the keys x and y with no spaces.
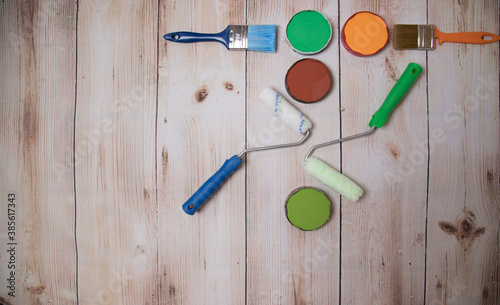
{"x":308,"y":80}
{"x":308,"y":32}
{"x":307,"y":208}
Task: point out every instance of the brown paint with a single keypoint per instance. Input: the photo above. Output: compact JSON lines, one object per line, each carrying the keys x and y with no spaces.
{"x":308,"y":80}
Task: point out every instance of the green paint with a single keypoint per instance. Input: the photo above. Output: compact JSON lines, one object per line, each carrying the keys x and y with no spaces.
{"x":308,"y":32}
{"x":307,"y":208}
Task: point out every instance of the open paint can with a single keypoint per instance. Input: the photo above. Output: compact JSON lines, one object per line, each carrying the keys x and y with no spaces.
{"x":307,"y":208}
{"x":308,"y":80}
{"x":308,"y":32}
{"x":364,"y":34}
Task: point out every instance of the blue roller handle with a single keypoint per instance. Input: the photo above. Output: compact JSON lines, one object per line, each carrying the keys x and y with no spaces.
{"x":186,"y":37}
{"x":211,"y":185}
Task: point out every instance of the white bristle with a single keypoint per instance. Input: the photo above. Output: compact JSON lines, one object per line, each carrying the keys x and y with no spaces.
{"x":284,"y":110}
{"x":262,"y":38}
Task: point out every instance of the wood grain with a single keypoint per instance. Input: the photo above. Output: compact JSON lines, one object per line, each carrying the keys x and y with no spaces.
{"x":115,"y":162}
{"x":287,"y":265}
{"x":37,"y":61}
{"x":101,"y":164}
{"x":383,"y":235}
{"x":201,"y":123}
{"x":464,"y":213}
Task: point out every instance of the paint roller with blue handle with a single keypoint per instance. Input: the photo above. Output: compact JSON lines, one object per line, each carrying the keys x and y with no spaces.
{"x":330,"y":177}
{"x":283,"y":110}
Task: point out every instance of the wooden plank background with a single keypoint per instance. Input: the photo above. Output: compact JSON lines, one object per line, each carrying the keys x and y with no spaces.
{"x":106,"y":129}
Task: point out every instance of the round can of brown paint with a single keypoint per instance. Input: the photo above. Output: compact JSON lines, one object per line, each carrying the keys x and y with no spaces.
{"x":308,"y":80}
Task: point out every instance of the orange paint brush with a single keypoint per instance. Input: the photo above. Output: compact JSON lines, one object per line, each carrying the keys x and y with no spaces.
{"x":423,"y":37}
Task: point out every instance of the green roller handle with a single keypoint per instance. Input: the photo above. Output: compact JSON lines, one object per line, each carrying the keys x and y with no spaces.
{"x":396,"y":95}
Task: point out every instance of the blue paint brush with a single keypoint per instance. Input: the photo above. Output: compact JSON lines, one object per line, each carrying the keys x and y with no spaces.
{"x":234,"y":37}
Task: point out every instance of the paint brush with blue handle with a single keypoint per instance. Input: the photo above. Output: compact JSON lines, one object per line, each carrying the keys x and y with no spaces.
{"x":283,"y":110}
{"x":234,"y":37}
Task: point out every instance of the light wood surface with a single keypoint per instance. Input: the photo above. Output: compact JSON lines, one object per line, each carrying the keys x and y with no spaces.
{"x":38,"y":64}
{"x":463,"y":196}
{"x":107,"y":129}
{"x":115,"y":166}
{"x":383,"y":236}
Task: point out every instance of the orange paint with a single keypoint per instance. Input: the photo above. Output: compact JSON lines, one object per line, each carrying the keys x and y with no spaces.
{"x":364,"y":34}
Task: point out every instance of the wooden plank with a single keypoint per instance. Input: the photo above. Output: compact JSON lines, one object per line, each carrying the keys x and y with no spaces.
{"x":383,"y":235}
{"x":464,"y":212}
{"x":287,"y":265}
{"x":115,"y":152}
{"x":37,"y":61}
{"x":201,"y":123}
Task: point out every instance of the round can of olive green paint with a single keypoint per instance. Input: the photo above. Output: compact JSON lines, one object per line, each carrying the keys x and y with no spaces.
{"x":308,"y":80}
{"x":308,"y":32}
{"x":307,"y":208}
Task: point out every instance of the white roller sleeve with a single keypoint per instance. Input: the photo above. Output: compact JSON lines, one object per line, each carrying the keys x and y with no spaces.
{"x":284,"y":110}
{"x":330,"y":177}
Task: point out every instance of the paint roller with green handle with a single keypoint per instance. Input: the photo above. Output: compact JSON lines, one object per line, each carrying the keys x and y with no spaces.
{"x":330,"y":177}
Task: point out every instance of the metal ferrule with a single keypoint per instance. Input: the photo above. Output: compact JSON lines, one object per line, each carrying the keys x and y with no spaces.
{"x":238,"y":37}
{"x":338,"y":141}
{"x":306,"y":134}
{"x":426,"y":39}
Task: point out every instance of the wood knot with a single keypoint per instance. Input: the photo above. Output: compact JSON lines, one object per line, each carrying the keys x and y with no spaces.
{"x":465,"y":229}
{"x":4,"y":302}
{"x":447,"y":227}
{"x":146,"y":194}
{"x":489,"y":176}
{"x":201,"y":94}
{"x":164,"y":157}
{"x":485,"y":293}
{"x":171,"y":290}
{"x":465,"y":226}
{"x":228,"y":86}
{"x":393,"y":150}
{"x":37,"y":289}
{"x":390,"y":69}
{"x":141,"y":249}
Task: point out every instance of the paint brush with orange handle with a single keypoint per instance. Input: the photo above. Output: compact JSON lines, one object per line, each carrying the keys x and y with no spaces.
{"x":423,"y":37}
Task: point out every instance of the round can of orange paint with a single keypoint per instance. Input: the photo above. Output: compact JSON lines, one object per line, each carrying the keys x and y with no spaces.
{"x":308,"y":80}
{"x":364,"y":34}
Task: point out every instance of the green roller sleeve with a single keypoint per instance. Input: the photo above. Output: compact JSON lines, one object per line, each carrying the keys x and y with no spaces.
{"x":396,"y":95}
